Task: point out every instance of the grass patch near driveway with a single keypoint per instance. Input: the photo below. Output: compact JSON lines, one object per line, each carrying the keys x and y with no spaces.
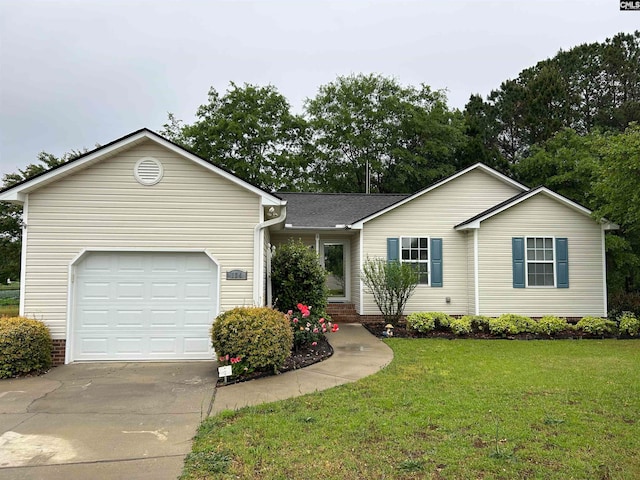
{"x":9,"y":310}
{"x":448,"y":410}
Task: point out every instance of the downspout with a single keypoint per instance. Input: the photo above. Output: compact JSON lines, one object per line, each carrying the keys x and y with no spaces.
{"x":605,"y":312}
{"x":476,"y":275}
{"x":23,"y":258}
{"x":258,"y":253}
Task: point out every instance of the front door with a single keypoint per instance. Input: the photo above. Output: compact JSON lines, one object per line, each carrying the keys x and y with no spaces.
{"x":335,"y":259}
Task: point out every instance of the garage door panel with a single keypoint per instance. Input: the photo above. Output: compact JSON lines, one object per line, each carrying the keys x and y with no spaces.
{"x":96,"y":318}
{"x":164,"y":291}
{"x":198,"y":291}
{"x":164,"y":264}
{"x":130,"y":291}
{"x":165,"y":318}
{"x":196,"y":346}
{"x":129,"y":318}
{"x":144,"y":306}
{"x":197,"y":318}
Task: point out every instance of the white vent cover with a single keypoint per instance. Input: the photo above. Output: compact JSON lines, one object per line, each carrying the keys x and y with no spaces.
{"x":148,"y":171}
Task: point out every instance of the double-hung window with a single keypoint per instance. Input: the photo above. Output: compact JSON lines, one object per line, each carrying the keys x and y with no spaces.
{"x":540,"y":258}
{"x":540,"y":262}
{"x":415,"y":251}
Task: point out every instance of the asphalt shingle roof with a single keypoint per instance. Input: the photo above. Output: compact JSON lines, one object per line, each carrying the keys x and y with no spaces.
{"x":326,"y":210}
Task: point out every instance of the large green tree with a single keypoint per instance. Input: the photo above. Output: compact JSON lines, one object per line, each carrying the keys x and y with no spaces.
{"x":250,"y":131}
{"x":591,"y":86}
{"x":369,"y":126}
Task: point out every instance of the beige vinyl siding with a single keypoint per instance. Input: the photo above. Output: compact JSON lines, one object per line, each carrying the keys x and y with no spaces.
{"x":541,"y":216}
{"x":471,"y":292}
{"x":103,"y":206}
{"x":434,"y":214}
{"x":355,"y":270}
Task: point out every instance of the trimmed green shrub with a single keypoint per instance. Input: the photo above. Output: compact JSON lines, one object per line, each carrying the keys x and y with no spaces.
{"x":479,"y":323}
{"x":550,"y":325}
{"x":461,"y":326}
{"x":298,"y":277}
{"x":629,"y":324}
{"x":424,"y":322}
{"x":25,"y":346}
{"x":260,"y":337}
{"x":511,"y":324}
{"x":596,"y":326}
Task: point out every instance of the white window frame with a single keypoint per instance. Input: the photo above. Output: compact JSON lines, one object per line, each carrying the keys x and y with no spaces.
{"x":552,"y":261}
{"x":427,"y":261}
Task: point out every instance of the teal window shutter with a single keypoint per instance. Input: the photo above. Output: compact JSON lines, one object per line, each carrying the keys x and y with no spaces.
{"x":562,"y":263}
{"x":436,"y":262}
{"x":393,"y":249}
{"x":517,"y":253}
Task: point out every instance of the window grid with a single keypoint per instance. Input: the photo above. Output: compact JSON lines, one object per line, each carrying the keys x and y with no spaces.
{"x":540,"y":262}
{"x":415,"y":251}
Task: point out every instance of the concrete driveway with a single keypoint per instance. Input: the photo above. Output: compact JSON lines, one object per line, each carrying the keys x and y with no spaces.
{"x":103,"y":420}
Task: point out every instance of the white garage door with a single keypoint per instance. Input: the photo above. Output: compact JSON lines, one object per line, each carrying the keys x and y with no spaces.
{"x":143,"y":306}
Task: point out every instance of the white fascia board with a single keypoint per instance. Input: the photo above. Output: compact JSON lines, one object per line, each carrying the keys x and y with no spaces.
{"x":481,"y":166}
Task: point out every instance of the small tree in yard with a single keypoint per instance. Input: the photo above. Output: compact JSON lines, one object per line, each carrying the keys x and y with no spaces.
{"x":391,"y":284}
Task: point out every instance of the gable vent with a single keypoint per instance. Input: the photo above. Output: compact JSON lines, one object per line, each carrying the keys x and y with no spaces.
{"x":148,"y":171}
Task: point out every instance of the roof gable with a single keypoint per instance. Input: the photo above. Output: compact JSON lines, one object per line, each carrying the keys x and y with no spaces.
{"x":474,"y":222}
{"x":478,"y":166}
{"x":17,"y":192}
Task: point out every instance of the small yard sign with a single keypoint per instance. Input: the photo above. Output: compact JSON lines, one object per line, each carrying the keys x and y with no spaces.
{"x":225,"y":371}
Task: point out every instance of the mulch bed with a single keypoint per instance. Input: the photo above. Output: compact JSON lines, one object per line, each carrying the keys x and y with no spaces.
{"x":304,"y":357}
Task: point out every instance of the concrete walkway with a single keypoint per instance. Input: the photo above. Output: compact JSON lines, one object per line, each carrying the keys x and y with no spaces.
{"x":357,"y":354}
{"x":137,"y":420}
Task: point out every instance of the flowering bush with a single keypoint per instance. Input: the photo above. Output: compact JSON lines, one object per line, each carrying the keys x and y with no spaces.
{"x":236,"y":364}
{"x":308,"y":327}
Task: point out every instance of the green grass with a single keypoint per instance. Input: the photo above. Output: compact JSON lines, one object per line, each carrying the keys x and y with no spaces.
{"x":492,"y":409}
{"x":9,"y":310}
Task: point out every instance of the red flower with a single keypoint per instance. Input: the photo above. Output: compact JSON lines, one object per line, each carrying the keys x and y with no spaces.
{"x":335,"y":328}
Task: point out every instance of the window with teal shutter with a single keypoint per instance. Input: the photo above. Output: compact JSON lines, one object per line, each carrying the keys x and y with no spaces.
{"x":393,"y":249}
{"x":436,"y":262}
{"x":517,"y":253}
{"x":562,"y":263}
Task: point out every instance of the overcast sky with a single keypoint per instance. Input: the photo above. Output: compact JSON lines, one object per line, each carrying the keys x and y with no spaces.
{"x":77,"y":73}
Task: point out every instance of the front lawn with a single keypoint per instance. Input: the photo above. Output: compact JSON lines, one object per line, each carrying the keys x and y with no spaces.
{"x":448,"y":410}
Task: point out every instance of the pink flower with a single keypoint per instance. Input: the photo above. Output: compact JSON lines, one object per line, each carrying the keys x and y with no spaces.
{"x":290,"y":312}
{"x":315,"y":330}
{"x":295,"y":320}
{"x":227,"y":357}
{"x":314,"y":343}
{"x":324,"y":330}
{"x":221,"y":359}
{"x":321,"y":320}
